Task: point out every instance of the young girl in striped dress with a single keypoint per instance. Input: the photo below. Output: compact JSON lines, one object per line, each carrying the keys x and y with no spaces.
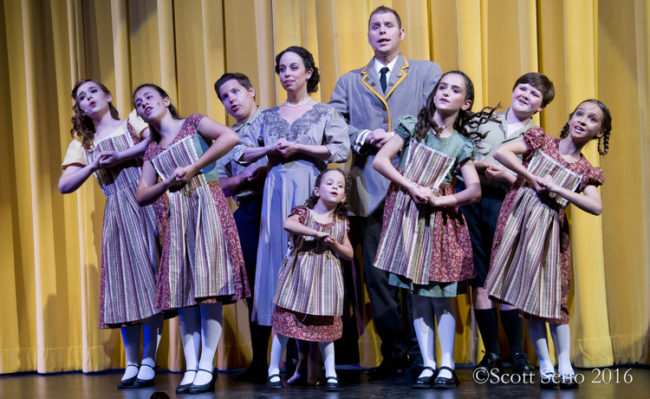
{"x":110,"y":149}
{"x":531,"y":255}
{"x":202,"y":264}
{"x":424,"y":242}
{"x":309,"y":292}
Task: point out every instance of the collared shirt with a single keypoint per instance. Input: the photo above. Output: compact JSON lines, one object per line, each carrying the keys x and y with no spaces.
{"x":497,"y":134}
{"x":227,"y":167}
{"x":390,"y":66}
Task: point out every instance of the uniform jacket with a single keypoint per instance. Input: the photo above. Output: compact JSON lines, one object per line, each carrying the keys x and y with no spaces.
{"x":358,"y":97}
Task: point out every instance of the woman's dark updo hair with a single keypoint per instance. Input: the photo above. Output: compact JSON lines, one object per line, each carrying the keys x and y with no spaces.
{"x":467,"y":122}
{"x":605,"y":125}
{"x":82,"y":126}
{"x":307,"y":60}
{"x":341,"y":209}
{"x":155,"y":134}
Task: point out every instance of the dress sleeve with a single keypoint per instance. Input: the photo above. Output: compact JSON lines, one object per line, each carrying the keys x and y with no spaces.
{"x":596,"y":177}
{"x":137,"y":124}
{"x":301,"y":211}
{"x":467,"y":151}
{"x":195,"y":119}
{"x":336,"y":137}
{"x":535,"y":138}
{"x":150,"y":152}
{"x":406,"y":127}
{"x":75,"y":155}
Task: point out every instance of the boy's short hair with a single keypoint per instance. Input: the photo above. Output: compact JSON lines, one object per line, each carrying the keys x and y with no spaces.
{"x":239,"y":77}
{"x":539,"y":81}
{"x":382,"y":10}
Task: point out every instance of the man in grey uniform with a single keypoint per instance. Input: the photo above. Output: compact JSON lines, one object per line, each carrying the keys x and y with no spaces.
{"x":372,"y":99}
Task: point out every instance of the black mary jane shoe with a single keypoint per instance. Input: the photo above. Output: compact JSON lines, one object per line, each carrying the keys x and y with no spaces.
{"x":207,"y":387}
{"x":128,"y":383}
{"x":568,"y":381}
{"x":425,"y":382}
{"x":332,"y":384}
{"x":185,"y":388}
{"x":274,"y":385}
{"x":141,"y":383}
{"x":445,"y":382}
{"x":548,"y":380}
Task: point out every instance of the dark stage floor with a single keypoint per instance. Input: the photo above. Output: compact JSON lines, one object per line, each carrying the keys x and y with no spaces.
{"x":597,"y":384}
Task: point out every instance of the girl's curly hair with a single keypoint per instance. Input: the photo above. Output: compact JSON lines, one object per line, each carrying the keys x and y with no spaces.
{"x":341,"y":210}
{"x":606,"y":125}
{"x":467,"y":122}
{"x":83,"y":127}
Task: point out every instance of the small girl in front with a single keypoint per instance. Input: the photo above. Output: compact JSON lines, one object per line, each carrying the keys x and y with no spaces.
{"x":425,"y":243}
{"x":309,"y":293}
{"x":531,"y":255}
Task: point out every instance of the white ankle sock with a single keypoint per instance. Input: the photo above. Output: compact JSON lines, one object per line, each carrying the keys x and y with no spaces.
{"x":151,"y":332}
{"x":130,"y":371}
{"x":423,"y":325}
{"x":446,"y":334}
{"x":190,"y":325}
{"x":561,"y":334}
{"x":131,"y":341}
{"x":188,"y":377}
{"x":211,"y":325}
{"x":327,"y":350}
{"x":537,"y":331}
{"x":277,"y":349}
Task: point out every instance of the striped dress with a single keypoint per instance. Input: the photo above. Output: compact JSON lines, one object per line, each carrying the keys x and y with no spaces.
{"x":129,"y":247}
{"x":420,"y":245}
{"x":530,"y":266}
{"x":309,"y":291}
{"x":201,"y":257}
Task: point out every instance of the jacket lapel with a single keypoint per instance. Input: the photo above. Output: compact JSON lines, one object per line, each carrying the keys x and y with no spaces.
{"x":370,"y":79}
{"x":398,"y":74}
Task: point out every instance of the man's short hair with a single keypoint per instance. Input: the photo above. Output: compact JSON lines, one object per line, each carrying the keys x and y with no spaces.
{"x":239,"y":77}
{"x":382,"y":10}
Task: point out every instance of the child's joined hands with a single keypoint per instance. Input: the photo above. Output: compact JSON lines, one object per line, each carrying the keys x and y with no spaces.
{"x":109,"y":158}
{"x":420,"y":194}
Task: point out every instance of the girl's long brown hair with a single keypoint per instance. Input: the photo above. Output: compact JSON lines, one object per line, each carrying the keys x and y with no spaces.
{"x":467,"y":122}
{"x":83,"y":127}
{"x":155,"y":134}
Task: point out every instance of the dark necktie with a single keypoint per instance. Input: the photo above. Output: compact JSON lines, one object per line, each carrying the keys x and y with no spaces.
{"x":382,"y":79}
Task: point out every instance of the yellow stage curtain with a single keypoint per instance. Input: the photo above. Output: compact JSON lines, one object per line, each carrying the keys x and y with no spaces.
{"x":50,"y":243}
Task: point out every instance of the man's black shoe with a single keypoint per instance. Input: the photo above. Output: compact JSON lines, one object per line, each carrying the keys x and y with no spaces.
{"x":520,"y":363}
{"x":488,"y":366}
